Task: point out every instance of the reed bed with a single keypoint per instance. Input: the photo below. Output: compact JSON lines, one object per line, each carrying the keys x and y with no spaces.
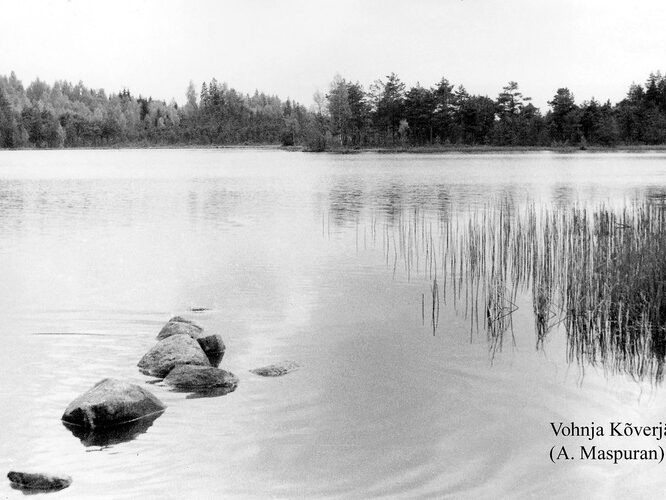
{"x":598,"y":271}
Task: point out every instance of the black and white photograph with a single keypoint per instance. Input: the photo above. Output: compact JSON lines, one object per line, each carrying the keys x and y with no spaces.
{"x":352,"y":249}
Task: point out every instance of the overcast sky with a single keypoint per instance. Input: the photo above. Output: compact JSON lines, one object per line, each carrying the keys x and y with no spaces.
{"x":292,"y":48}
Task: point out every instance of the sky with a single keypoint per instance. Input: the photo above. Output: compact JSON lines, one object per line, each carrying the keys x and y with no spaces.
{"x":293,"y":48}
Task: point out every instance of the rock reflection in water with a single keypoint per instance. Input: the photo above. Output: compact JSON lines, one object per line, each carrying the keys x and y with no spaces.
{"x":203,"y":392}
{"x":109,"y":436}
{"x":208,"y":393}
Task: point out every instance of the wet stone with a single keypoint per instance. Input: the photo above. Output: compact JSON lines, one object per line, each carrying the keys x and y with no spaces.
{"x":35,"y":481}
{"x":179,"y":326}
{"x":277,"y":369}
{"x":171,"y":352}
{"x":201,"y":378}
{"x":109,"y":403}
{"x":212,"y":344}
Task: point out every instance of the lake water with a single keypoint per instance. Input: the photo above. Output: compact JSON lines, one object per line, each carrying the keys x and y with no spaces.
{"x":321,"y":259}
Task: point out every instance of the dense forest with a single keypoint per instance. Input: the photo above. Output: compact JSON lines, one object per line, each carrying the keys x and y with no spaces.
{"x":387,"y":114}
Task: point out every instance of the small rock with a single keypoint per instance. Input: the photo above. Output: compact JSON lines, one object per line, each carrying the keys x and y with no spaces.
{"x":277,"y":369}
{"x":212,"y":344}
{"x":38,"y":481}
{"x":111,"y":402}
{"x":170,"y":352}
{"x":198,"y":378}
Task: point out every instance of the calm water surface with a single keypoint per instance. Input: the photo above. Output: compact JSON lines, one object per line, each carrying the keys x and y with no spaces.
{"x":299,"y":257}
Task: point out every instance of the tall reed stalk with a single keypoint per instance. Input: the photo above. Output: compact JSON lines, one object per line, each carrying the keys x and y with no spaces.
{"x":598,"y":271}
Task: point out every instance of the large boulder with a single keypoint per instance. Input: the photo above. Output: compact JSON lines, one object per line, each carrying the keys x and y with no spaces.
{"x":111,"y":402}
{"x":276,"y":370}
{"x":212,"y":344}
{"x":201,"y":378}
{"x":170,"y":352}
{"x":35,"y":481}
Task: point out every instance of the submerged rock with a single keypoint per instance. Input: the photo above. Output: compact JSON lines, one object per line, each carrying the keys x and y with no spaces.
{"x":112,"y":402}
{"x":38,"y":481}
{"x":277,"y":369}
{"x":201,"y":378}
{"x":212,"y":344}
{"x":170,"y":352}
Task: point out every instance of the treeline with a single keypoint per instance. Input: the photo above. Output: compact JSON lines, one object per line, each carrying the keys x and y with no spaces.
{"x":67,"y":115}
{"x":387,"y":114}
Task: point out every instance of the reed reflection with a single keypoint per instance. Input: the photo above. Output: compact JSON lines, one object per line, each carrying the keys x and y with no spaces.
{"x":346,"y":203}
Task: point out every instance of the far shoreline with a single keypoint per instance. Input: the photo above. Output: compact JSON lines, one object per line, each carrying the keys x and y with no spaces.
{"x":462,"y":149}
{"x":433,"y":150}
